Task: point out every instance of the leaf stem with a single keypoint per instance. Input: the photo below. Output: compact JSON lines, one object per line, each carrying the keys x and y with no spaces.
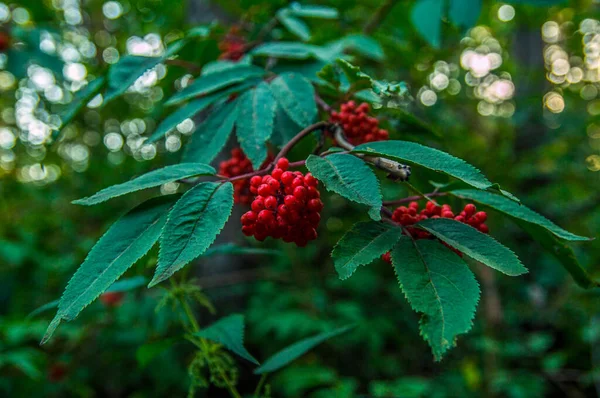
{"x":262,"y":380}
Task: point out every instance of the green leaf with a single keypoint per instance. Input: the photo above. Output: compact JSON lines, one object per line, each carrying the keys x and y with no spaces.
{"x":464,"y":13}
{"x":224,"y":64}
{"x":426,"y":17}
{"x":212,"y":82}
{"x":212,"y":135}
{"x":350,"y":177}
{"x":313,"y":11}
{"x":298,"y":349}
{"x":229,"y":331}
{"x":148,"y":180}
{"x":563,"y":253}
{"x":283,"y":49}
{"x":475,"y":244}
{"x":433,"y":159}
{"x":363,"y":243}
{"x":230,"y":248}
{"x":285,"y":129}
{"x":358,"y":80}
{"x":294,"y":25}
{"x":130,"y":67}
{"x":193,"y":225}
{"x":80,"y":99}
{"x":296,"y":96}
{"x":364,"y":45}
{"x":126,"y":241}
{"x":438,"y":284}
{"x":185,"y":112}
{"x":255,"y":120}
{"x":516,"y":211}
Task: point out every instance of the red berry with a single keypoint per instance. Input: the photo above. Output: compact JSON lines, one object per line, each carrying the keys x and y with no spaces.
{"x":470,"y":209}
{"x":258,"y":204}
{"x":271,"y":202}
{"x":265,"y":216}
{"x":264,"y":190}
{"x":287,"y":178}
{"x":300,"y":193}
{"x":283,"y":163}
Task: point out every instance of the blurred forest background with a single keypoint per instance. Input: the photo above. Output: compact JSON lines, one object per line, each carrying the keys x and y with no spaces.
{"x":517,"y":95}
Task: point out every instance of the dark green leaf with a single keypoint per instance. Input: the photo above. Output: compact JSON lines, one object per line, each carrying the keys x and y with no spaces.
{"x":464,"y":13}
{"x":193,"y":225}
{"x":130,"y":67}
{"x":350,"y":177}
{"x":296,"y":96}
{"x":426,"y":17}
{"x":254,"y":125}
{"x":285,"y":129}
{"x":149,"y":180}
{"x":358,"y":80}
{"x":362,"y":244}
{"x":215,"y":81}
{"x":297,"y":349}
{"x":80,"y":99}
{"x":475,"y":244}
{"x":229,"y":331}
{"x":119,"y":248}
{"x":212,"y":135}
{"x":411,"y":152}
{"x":185,"y":112}
{"x":294,"y":25}
{"x":438,"y":284}
{"x":562,"y":252}
{"x":515,"y":210}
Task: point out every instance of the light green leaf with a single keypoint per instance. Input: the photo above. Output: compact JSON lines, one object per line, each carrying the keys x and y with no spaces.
{"x":130,"y":67}
{"x":438,"y":284}
{"x":296,"y":96}
{"x":433,"y":159}
{"x":193,"y":225}
{"x":350,"y":177}
{"x":80,"y":99}
{"x":254,"y":126}
{"x":283,"y":49}
{"x":212,"y":82}
{"x":515,"y":210}
{"x":362,"y":244}
{"x":298,"y":349}
{"x":212,"y":135}
{"x":475,"y":244}
{"x":151,"y":179}
{"x":294,"y":25}
{"x":313,"y":11}
{"x":126,"y":241}
{"x":563,"y":253}
{"x":426,"y":17}
{"x":229,"y":331}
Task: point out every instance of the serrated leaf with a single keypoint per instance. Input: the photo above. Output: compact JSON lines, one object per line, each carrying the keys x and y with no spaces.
{"x":426,"y":17}
{"x":296,"y":96}
{"x":475,"y":244}
{"x":148,"y":180}
{"x":229,"y":332}
{"x":331,"y":75}
{"x":123,"y":285}
{"x":298,"y":349}
{"x":212,"y":82}
{"x":80,"y":99}
{"x":294,"y":25}
{"x":515,"y":210}
{"x":130,"y":67}
{"x":438,"y":284}
{"x":283,"y":49}
{"x":349,"y":177}
{"x":358,"y":79}
{"x":126,"y":241}
{"x":563,"y":253}
{"x":185,"y":112}
{"x":285,"y":129}
{"x":363,"y":243}
{"x":212,"y":135}
{"x":255,"y":120}
{"x":313,"y":11}
{"x":192,"y":226}
{"x":433,"y":159}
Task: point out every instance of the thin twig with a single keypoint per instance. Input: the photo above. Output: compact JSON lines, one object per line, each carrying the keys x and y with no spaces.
{"x":324,"y":105}
{"x":413,"y":198}
{"x":287,"y":147}
{"x":379,"y":15}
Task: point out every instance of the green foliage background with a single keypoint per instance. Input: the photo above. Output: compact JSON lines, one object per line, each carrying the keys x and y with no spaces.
{"x":534,"y":335}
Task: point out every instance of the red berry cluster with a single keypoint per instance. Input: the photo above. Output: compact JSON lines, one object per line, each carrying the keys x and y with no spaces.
{"x":411,"y":215}
{"x":358,"y":126}
{"x":233,"y":45}
{"x":237,"y":165}
{"x":287,"y":206}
